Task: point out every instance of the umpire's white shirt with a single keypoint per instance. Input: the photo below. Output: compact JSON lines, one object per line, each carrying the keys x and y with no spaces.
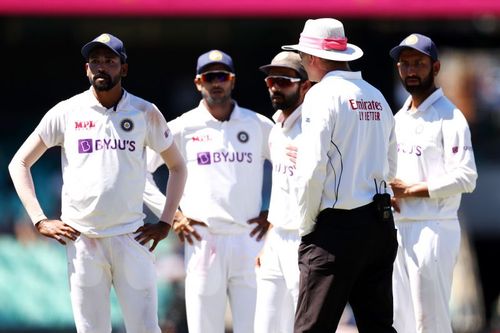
{"x":347,"y":142}
{"x":225,"y":161}
{"x":283,"y":211}
{"x":103,"y":159}
{"x":434,"y":146}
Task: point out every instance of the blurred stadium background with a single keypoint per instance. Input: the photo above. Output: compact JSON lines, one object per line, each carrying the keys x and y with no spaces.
{"x":40,"y":45}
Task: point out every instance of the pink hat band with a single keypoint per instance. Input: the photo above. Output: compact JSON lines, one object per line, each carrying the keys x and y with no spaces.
{"x":339,"y":44}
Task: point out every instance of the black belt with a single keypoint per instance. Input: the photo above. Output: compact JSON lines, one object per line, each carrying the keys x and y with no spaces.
{"x":356,"y":216}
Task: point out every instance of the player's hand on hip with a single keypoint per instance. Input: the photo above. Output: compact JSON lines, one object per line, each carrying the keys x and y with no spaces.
{"x":152,"y":231}
{"x":183,"y":227}
{"x":57,"y":229}
{"x":262,"y":225}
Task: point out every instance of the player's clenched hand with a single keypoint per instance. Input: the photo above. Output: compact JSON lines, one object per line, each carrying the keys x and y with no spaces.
{"x":57,"y":229}
{"x":184,"y":229}
{"x":262,"y":225}
{"x":152,"y":231}
{"x":399,"y":188}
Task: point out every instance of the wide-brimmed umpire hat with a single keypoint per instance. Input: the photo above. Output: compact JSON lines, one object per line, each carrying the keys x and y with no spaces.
{"x":325,"y":38}
{"x":106,"y":40}
{"x":286,"y":59}
{"x":421,"y":43}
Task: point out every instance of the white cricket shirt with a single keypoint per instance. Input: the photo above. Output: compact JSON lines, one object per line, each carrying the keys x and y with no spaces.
{"x":225,"y":162}
{"x":103,"y":159}
{"x":283,"y":212}
{"x":434,"y":146}
{"x":347,"y":142}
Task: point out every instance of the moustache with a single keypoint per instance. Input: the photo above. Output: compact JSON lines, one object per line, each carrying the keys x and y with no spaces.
{"x":216,"y":90}
{"x":102,"y":76}
{"x":277,"y":94}
{"x":413,"y":78}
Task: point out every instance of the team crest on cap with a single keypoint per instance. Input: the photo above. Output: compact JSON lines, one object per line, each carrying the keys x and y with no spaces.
{"x":104,"y":38}
{"x":127,"y":125}
{"x":215,"y":56}
{"x":411,"y":40}
{"x":243,"y":137}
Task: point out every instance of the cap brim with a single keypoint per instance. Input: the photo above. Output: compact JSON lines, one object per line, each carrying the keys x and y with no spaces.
{"x":395,"y":51}
{"x":352,"y":52}
{"x":267,"y":68}
{"x":202,"y":68}
{"x":87,"y":48}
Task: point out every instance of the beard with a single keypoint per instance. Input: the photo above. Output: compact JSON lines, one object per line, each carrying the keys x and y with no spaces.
{"x":221,"y":98}
{"x":106,"y":83}
{"x":422,"y":87}
{"x":284,"y":102}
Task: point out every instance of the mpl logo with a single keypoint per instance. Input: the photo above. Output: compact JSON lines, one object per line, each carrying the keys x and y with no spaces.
{"x":85,"y":146}
{"x":84,"y":125}
{"x":204,"y":158}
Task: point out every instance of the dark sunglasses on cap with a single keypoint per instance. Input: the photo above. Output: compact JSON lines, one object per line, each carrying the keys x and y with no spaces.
{"x":219,"y":76}
{"x":281,"y":81}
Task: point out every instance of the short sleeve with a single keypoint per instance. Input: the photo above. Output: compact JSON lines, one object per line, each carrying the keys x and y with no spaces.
{"x":159,"y":137}
{"x":52,"y":126}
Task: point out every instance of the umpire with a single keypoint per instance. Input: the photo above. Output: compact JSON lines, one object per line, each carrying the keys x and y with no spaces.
{"x":345,"y":155}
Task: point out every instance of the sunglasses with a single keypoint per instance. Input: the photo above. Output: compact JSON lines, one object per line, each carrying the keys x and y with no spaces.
{"x":219,"y":76}
{"x":281,"y":81}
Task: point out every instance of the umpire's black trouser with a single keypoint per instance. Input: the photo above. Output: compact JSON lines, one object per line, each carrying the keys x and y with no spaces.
{"x":347,"y":258}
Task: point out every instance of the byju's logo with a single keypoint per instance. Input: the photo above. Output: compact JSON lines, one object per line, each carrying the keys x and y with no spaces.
{"x":85,"y":146}
{"x":204,"y":158}
{"x":410,"y":149}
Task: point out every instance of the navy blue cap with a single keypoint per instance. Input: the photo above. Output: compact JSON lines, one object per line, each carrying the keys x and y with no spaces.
{"x":214,"y":57}
{"x":417,"y":42}
{"x":106,"y":40}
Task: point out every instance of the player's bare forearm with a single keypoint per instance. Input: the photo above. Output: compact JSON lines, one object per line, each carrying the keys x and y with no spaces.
{"x":57,"y":230}
{"x":404,"y":190}
{"x":176,"y":181}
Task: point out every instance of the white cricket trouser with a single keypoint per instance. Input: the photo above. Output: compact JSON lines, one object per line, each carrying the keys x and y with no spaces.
{"x":278,"y":282}
{"x":423,"y":273}
{"x":94,"y":264}
{"x":218,"y":268}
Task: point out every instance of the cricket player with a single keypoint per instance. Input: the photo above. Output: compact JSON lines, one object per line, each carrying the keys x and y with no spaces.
{"x":224,"y":146}
{"x":103,"y":133}
{"x":278,"y":269}
{"x":435,"y":166}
